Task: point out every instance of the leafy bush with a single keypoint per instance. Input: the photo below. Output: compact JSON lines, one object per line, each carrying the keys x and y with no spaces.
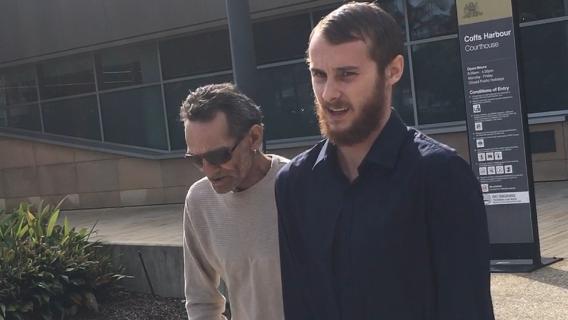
{"x":47,"y":270}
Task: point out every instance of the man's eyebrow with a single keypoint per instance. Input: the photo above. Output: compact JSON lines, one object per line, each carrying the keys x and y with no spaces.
{"x":347,"y":68}
{"x":338,"y":69}
{"x":312,"y":69}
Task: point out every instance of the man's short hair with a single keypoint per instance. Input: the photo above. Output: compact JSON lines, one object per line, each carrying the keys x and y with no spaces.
{"x":366,"y":22}
{"x":205,"y":102}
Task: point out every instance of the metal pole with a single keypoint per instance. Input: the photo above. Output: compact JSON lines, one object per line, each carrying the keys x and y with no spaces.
{"x":242,"y":50}
{"x":242,"y":47}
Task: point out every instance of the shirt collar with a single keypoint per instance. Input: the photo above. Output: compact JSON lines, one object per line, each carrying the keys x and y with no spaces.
{"x":384,"y":150}
{"x":386,"y":147}
{"x":327,"y":150}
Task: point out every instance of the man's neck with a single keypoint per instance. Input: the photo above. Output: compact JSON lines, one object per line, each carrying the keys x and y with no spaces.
{"x":350,"y":157}
{"x":260,"y":167}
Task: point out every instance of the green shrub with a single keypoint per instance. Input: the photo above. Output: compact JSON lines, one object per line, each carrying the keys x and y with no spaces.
{"x":47,"y":270}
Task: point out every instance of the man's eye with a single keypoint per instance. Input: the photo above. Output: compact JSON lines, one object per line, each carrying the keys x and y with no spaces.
{"x":318,"y":74}
{"x":346,"y":74}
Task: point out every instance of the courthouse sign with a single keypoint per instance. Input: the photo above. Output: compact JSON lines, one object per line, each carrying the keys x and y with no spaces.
{"x":497,"y":129}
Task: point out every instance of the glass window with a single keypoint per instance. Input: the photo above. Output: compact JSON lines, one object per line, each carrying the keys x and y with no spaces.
{"x":18,"y":85}
{"x":135,"y":117}
{"x":195,"y":54}
{"x":544,"y":49}
{"x":24,"y":117}
{"x":438,"y":82}
{"x":530,"y":10}
{"x":542,"y":141}
{"x":73,"y":117}
{"x":402,"y":96}
{"x":319,"y":14}
{"x":175,"y":94}
{"x":129,"y":66}
{"x":396,"y":9}
{"x":287,"y":102}
{"x":66,"y":77}
{"x":431,"y":18}
{"x":3,"y":117}
{"x":281,"y":39}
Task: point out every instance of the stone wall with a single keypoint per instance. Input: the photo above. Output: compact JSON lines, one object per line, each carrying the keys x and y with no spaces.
{"x":34,"y":171}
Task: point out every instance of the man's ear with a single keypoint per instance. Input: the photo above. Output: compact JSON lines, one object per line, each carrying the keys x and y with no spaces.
{"x":256,"y":134}
{"x":394,"y":70}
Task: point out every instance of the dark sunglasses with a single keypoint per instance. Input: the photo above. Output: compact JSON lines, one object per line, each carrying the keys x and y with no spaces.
{"x":215,"y":157}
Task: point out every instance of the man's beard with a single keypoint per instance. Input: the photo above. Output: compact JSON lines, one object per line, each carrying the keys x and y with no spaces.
{"x":362,"y":126}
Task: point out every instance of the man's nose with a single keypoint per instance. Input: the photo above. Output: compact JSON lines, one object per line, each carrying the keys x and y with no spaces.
{"x":330,"y":91}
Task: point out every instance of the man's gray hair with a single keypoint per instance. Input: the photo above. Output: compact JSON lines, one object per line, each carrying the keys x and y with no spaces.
{"x":203,"y":104}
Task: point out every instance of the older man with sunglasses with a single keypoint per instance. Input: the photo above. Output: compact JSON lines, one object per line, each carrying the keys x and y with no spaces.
{"x":229,"y":221}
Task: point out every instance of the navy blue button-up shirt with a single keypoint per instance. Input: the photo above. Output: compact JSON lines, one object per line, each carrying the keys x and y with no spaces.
{"x":406,"y":240}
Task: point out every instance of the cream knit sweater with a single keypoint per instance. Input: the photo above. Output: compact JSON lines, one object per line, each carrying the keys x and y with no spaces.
{"x":234,"y":237}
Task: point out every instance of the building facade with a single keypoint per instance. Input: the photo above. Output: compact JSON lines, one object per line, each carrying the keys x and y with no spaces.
{"x":90,"y":89}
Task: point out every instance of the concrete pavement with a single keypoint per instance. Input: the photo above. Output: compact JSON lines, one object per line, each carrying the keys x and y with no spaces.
{"x":541,"y":295}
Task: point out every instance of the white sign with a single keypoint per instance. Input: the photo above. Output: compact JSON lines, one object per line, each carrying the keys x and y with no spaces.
{"x":493,"y":199}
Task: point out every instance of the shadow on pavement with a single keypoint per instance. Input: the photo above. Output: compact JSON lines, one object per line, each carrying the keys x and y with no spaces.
{"x":554,"y":275}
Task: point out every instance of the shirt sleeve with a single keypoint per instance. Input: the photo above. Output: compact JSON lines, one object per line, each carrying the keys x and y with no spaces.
{"x":292,"y":292}
{"x":203,"y":299}
{"x":459,"y":242}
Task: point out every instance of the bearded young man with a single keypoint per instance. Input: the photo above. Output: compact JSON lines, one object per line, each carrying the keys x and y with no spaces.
{"x":378,"y":221}
{"x":229,"y":220}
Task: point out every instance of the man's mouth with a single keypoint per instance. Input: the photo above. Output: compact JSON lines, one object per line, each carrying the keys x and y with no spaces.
{"x":216,"y":179}
{"x":337,"y":110}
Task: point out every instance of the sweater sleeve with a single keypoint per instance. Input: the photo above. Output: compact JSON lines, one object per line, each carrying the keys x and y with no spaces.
{"x":203,"y":299}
